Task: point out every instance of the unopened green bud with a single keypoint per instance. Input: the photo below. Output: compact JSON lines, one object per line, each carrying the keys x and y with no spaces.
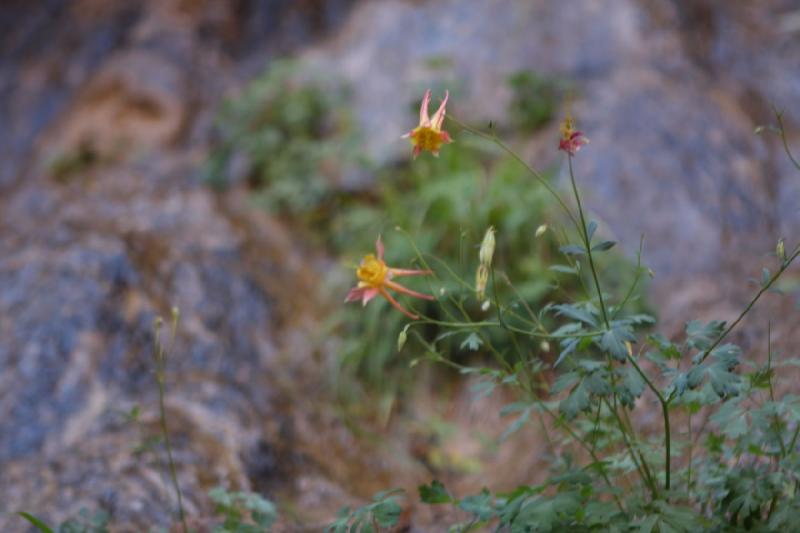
{"x":541,"y":230}
{"x":481,"y":279}
{"x":780,"y":250}
{"x":401,"y":340}
{"x":487,"y":247}
{"x":544,"y":346}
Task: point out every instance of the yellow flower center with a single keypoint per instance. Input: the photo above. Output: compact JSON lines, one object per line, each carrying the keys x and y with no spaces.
{"x":372,"y":271}
{"x":567,"y":128}
{"x":427,"y":138}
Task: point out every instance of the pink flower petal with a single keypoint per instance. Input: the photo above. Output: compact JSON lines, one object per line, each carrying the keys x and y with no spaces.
{"x":355,"y":294}
{"x":396,"y":305}
{"x":409,"y":272}
{"x":438,"y":117}
{"x":368,"y":295}
{"x":423,"y":109}
{"x":403,"y":290}
{"x":379,"y":247}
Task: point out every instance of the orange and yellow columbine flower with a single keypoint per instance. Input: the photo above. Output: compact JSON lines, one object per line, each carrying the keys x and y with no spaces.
{"x":429,"y":134}
{"x":571,"y":139}
{"x":375,"y":277}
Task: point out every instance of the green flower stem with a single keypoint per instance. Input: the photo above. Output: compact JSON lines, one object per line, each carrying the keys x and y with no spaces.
{"x":585,"y":446}
{"x":775,"y":419}
{"x":691,"y":450}
{"x":635,"y":440}
{"x":667,"y":447}
{"x":665,"y":412}
{"x":782,"y":133}
{"x":573,"y":263}
{"x":596,"y":424}
{"x":492,"y":324}
{"x":764,"y":288}
{"x":641,"y":465}
{"x":793,"y":443}
{"x":644,"y":471}
{"x":635,"y":283}
{"x":585,"y":236}
{"x":527,"y":307}
{"x":511,"y":334}
{"x":160,"y":380}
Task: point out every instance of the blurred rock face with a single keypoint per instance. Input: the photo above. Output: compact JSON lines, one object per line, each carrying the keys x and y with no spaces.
{"x":107,"y":107}
{"x":104,"y":226}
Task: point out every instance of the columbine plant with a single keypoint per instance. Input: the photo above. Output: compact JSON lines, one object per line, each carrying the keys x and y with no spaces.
{"x":740,"y":472}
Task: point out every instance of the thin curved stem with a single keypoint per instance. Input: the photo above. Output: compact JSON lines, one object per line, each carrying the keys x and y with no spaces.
{"x":782,"y":133}
{"x":574,"y":263}
{"x":585,"y":236}
{"x":535,"y":173}
{"x":776,"y":419}
{"x":665,"y":413}
{"x":527,"y":307}
{"x":641,"y":465}
{"x":764,"y":288}
{"x":618,"y":309}
{"x":160,"y":380}
{"x":635,"y":440}
{"x":586,"y":447}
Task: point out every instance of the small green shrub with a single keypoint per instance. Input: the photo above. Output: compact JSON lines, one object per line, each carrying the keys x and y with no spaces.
{"x":85,"y":522}
{"x":535,"y":99}
{"x":243,"y":512}
{"x":295,"y":136}
{"x":382,"y":513}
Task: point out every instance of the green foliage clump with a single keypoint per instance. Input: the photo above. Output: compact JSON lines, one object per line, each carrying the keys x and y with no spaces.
{"x":85,"y":522}
{"x":294,"y":137}
{"x":382,"y":513}
{"x":243,"y":512}
{"x":535,"y":99}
